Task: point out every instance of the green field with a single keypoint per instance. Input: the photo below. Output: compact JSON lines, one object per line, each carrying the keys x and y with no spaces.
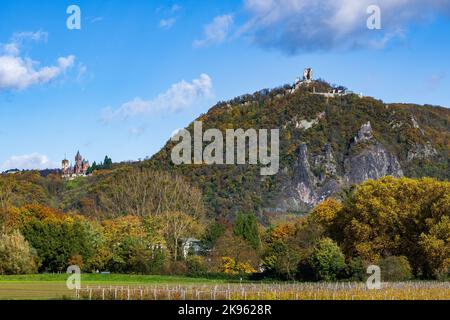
{"x":137,"y":287}
{"x":53,"y":286}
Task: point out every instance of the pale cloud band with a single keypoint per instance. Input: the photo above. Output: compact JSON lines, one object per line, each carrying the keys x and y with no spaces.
{"x":179,"y":96}
{"x":167,"y":23}
{"x":305,"y":25}
{"x":18,"y":73}
{"x":294,"y":26}
{"x":34,"y":161}
{"x":215,"y":32}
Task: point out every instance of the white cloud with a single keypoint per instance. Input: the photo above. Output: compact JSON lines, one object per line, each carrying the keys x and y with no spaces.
{"x":34,"y":161}
{"x":167,"y":23}
{"x":138,"y":130}
{"x":179,"y":96}
{"x":11,"y":49}
{"x":435,"y":80}
{"x":19,"y":37}
{"x":66,"y":62}
{"x":215,"y":32}
{"x":307,"y":25}
{"x":95,"y":19}
{"x":20,"y":73}
{"x":171,"y":18}
{"x":176,"y":8}
{"x":17,"y":72}
{"x":82,"y":72}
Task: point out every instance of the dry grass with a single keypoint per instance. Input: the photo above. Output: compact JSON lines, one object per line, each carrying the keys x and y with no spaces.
{"x":281,"y":291}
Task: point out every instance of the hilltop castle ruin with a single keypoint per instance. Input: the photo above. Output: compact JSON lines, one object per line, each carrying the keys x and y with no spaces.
{"x":308,"y":81}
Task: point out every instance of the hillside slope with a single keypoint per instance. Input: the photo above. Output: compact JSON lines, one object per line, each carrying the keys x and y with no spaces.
{"x":326,"y":144}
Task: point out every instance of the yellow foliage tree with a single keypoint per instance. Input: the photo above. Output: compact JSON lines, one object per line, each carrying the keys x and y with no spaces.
{"x":393,"y":217}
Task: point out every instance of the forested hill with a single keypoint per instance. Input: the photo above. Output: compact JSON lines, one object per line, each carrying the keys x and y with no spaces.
{"x":327,"y":144}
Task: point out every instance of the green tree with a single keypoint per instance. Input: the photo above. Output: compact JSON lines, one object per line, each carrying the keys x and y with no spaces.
{"x":92,"y":168}
{"x":57,"y":238}
{"x":246,"y":226}
{"x":107,"y":163}
{"x":395,"y":269}
{"x":213,"y":232}
{"x":327,"y":260}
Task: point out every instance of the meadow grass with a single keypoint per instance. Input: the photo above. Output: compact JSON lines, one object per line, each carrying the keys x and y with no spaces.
{"x":149,"y":287}
{"x":53,"y":286}
{"x":90,"y":278}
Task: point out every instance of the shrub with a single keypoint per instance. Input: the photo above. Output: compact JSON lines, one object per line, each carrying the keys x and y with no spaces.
{"x":16,"y":255}
{"x":355,"y":269}
{"x":395,"y":269}
{"x":231,"y":267}
{"x":76,"y":260}
{"x":327,"y":260}
{"x":140,"y":261}
{"x":177,"y":268}
{"x":196,"y":266}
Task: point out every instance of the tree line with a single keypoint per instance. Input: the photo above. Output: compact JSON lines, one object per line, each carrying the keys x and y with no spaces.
{"x":402,"y":225}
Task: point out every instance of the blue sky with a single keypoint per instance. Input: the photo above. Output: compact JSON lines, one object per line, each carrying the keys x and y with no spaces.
{"x":138,"y":70}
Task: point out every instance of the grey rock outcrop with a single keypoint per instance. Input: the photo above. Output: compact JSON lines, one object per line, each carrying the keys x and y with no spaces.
{"x":421,"y":152}
{"x":304,"y":179}
{"x":315,"y":180}
{"x":365,"y":133}
{"x":373,"y":162}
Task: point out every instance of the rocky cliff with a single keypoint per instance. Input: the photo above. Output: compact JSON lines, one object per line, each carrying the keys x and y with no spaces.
{"x":366,"y":159}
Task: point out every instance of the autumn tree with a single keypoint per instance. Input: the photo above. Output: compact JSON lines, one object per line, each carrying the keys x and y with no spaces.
{"x":435,"y":245}
{"x":235,"y":249}
{"x":177,"y":226}
{"x":125,"y":238}
{"x":6,"y":193}
{"x":288,"y":247}
{"x":16,"y":255}
{"x":281,"y":254}
{"x":325,"y":212}
{"x":396,"y":217}
{"x":143,"y":192}
{"x":395,"y":269}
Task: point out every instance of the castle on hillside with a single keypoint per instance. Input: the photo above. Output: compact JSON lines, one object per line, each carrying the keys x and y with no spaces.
{"x":79,"y":169}
{"x":308,"y":80}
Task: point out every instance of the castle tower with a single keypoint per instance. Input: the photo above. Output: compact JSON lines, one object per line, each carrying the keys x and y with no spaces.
{"x":65,"y":167}
{"x":78,"y":157}
{"x":308,"y":75}
{"x":78,"y":169}
{"x":85,"y":166}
